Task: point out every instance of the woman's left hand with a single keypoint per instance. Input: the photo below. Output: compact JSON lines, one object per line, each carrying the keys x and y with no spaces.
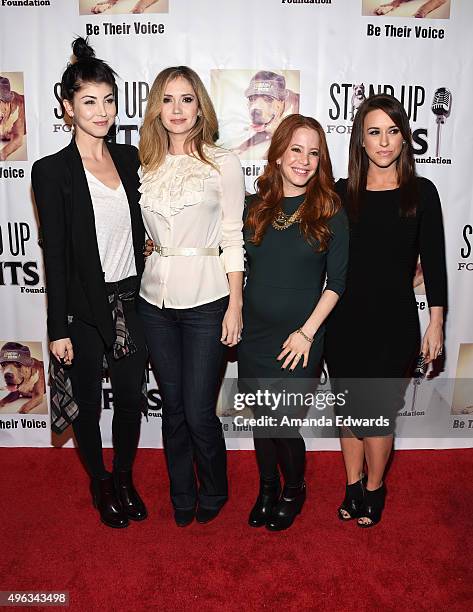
{"x":148,"y":248}
{"x":294,"y":348}
{"x":232,"y":326}
{"x":432,"y":345}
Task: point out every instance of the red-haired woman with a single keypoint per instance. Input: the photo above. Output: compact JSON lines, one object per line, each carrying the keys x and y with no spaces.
{"x":296,"y":238}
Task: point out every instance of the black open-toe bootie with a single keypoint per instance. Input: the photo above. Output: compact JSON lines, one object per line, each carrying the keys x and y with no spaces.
{"x":107,"y":502}
{"x":131,"y":502}
{"x":288,"y":507}
{"x":352,"y":505}
{"x":373,"y":505}
{"x":268,"y":496}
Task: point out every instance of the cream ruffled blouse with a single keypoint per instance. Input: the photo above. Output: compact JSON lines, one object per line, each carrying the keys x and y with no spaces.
{"x":187,"y":203}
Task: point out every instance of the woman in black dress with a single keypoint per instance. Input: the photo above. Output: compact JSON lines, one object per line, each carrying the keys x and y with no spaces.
{"x":296,"y":237}
{"x":374,"y":333}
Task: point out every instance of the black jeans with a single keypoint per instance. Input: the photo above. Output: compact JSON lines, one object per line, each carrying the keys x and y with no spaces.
{"x":126,"y":376}
{"x":187,"y":355}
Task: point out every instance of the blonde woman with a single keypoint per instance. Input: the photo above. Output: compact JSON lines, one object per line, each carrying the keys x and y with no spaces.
{"x":191,"y":292}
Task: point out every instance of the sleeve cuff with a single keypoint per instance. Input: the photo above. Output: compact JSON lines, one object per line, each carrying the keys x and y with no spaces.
{"x":233,"y":259}
{"x":336,"y":287}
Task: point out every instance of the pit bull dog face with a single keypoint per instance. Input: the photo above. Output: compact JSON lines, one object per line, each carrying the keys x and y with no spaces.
{"x":15,"y":374}
{"x":265,"y":112}
{"x":359,"y":91}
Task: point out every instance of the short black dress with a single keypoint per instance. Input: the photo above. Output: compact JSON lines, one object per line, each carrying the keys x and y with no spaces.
{"x":374,"y":332}
{"x":285,"y":279}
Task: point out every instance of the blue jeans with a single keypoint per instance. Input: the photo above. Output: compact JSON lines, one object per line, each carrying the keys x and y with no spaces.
{"x":187,"y":357}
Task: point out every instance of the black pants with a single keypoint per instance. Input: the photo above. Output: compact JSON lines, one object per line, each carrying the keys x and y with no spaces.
{"x":286,"y":453}
{"x":187,"y":355}
{"x":126,"y":375}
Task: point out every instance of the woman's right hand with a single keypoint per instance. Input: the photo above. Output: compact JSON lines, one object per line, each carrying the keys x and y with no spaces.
{"x":62,"y":350}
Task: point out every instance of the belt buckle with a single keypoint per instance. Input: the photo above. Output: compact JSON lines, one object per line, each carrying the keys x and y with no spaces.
{"x":161,"y":250}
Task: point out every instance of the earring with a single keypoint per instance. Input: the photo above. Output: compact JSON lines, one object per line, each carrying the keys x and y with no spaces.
{"x":117,"y":125}
{"x":403,"y":142}
{"x":278,"y":163}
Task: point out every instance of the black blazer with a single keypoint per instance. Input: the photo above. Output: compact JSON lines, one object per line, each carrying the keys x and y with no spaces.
{"x":74,"y":277}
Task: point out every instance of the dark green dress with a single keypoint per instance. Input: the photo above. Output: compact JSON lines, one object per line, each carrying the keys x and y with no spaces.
{"x":285,"y":279}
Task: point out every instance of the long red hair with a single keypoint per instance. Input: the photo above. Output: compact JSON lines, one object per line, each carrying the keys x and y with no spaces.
{"x":321,"y":201}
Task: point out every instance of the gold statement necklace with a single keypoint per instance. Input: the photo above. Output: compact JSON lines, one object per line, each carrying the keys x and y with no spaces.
{"x":282,"y":221}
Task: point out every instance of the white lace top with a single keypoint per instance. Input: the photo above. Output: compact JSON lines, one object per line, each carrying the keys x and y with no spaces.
{"x":186,"y":203}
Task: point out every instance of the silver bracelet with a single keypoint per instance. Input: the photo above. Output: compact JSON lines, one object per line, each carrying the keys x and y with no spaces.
{"x":305,"y":336}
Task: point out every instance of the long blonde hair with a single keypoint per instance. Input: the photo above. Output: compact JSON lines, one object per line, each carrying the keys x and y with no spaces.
{"x":154,"y":139}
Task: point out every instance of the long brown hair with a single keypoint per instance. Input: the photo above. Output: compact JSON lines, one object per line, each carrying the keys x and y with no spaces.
{"x":154,"y":139}
{"x":321,"y":201}
{"x":359,"y":162}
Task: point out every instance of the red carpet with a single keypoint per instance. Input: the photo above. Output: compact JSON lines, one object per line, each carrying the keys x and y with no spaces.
{"x":419,"y":557}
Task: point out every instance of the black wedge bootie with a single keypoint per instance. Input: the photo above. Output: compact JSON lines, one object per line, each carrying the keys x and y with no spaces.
{"x":352,"y":505}
{"x":373,"y":505}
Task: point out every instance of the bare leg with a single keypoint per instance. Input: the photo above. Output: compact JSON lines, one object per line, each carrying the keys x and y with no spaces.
{"x":101,"y":7}
{"x":377,"y":452}
{"x":141,"y":5}
{"x":353,"y":457}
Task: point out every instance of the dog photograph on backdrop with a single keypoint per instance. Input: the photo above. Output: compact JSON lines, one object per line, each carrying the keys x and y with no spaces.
{"x":12,"y":117}
{"x":22,"y":383}
{"x":462,"y":402}
{"x":357,"y":98}
{"x":250,"y":106}
{"x":420,"y":9}
{"x":122,"y":7}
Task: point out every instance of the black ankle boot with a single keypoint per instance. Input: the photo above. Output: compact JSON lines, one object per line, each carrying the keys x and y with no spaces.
{"x":131,"y":502}
{"x":107,"y":503}
{"x":352,"y":505}
{"x":269,"y":493}
{"x":288,"y":507}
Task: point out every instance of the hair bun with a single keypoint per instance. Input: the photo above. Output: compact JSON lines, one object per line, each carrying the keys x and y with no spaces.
{"x":82,"y":50}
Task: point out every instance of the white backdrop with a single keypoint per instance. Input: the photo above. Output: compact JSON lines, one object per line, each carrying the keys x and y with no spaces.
{"x":326,"y":51}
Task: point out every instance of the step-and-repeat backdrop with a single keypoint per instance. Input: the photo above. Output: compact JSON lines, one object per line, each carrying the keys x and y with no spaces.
{"x":260,"y":60}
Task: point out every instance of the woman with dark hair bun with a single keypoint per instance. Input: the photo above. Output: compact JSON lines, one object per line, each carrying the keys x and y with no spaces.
{"x":373,"y":335}
{"x":296,"y":238}
{"x":87,"y":199}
